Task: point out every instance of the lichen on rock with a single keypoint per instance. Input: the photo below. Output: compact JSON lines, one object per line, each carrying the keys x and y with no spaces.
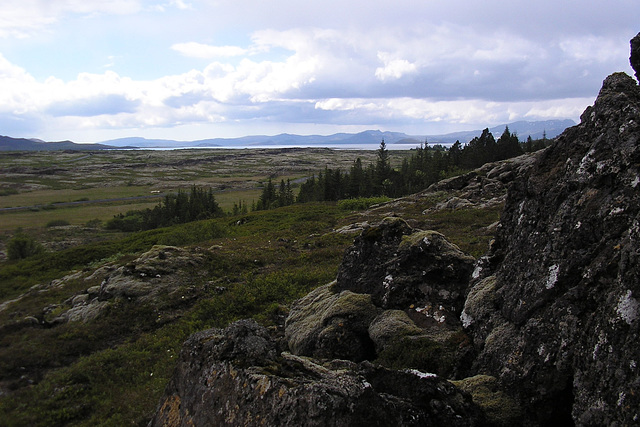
{"x":565,"y":273}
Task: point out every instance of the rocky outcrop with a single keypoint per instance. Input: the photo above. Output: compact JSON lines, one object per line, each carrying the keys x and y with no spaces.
{"x":555,"y":309}
{"x":400,"y":267}
{"x":237,"y":376}
{"x":483,"y":188}
{"x":396,"y":302}
{"x":163,"y":272}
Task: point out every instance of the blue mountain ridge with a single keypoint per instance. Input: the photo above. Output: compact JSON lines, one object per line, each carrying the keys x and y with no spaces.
{"x":535,"y":129}
{"x":523,"y":129}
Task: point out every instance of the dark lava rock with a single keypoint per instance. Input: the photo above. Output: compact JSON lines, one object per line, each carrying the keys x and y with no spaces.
{"x":555,"y":311}
{"x":400,"y":267}
{"x":234,"y":377}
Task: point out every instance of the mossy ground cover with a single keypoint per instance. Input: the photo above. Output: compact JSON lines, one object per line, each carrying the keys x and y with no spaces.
{"x":44,"y":197}
{"x":111,"y":371}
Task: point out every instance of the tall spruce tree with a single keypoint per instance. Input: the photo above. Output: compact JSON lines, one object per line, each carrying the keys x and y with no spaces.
{"x":383,"y":167}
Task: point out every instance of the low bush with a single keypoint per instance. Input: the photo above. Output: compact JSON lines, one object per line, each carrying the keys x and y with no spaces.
{"x":22,"y":246}
{"x":361,"y":203}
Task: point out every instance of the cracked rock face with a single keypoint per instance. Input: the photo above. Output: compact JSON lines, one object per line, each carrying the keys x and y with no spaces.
{"x":555,"y":310}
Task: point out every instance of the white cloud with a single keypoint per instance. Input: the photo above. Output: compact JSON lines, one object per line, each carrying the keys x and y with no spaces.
{"x":393,"y":69}
{"x":117,"y":7}
{"x":17,"y":93}
{"x":462,"y":112}
{"x":593,"y":49}
{"x":204,"y":51}
{"x":180,"y":4}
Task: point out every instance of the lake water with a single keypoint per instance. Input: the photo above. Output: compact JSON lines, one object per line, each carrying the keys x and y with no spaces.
{"x":368,"y":147}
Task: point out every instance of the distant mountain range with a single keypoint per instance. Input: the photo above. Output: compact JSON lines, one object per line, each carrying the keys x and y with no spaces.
{"x":22,"y":144}
{"x":523,"y":129}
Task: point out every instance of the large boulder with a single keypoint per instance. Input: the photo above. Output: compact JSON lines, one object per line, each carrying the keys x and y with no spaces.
{"x":396,"y":301}
{"x":402,"y":268}
{"x":555,"y":307}
{"x":330,"y":325}
{"x":236,"y":377}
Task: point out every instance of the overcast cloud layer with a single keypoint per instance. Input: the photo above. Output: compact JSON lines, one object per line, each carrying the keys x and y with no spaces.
{"x":90,"y":70}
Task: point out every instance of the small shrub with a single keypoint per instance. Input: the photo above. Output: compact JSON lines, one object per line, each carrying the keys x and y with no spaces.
{"x":191,"y":233}
{"x":22,"y":246}
{"x":132,"y":221}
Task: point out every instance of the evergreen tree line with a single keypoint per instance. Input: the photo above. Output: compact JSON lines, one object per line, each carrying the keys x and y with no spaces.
{"x":173,"y":209}
{"x":426,"y":166}
{"x":272,"y":198}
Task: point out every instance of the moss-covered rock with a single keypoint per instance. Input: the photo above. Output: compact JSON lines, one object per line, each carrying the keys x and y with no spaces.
{"x":235,"y":377}
{"x":480,"y":302}
{"x":501,"y":410}
{"x":331,"y":325}
{"x":400,"y":267}
{"x":390,"y":325}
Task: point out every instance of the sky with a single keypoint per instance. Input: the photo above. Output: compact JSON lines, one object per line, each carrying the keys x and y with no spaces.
{"x":94,"y":70}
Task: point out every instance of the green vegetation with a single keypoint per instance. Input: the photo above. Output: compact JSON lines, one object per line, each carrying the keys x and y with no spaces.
{"x":501,"y":409}
{"x":173,"y":209}
{"x":8,"y":191}
{"x":111,"y":370}
{"x":361,"y":203}
{"x":124,"y":358}
{"x":272,"y":198}
{"x":425,"y":166}
{"x":22,"y":246}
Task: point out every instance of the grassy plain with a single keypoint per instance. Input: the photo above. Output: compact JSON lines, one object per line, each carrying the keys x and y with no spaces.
{"x":104,"y":183}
